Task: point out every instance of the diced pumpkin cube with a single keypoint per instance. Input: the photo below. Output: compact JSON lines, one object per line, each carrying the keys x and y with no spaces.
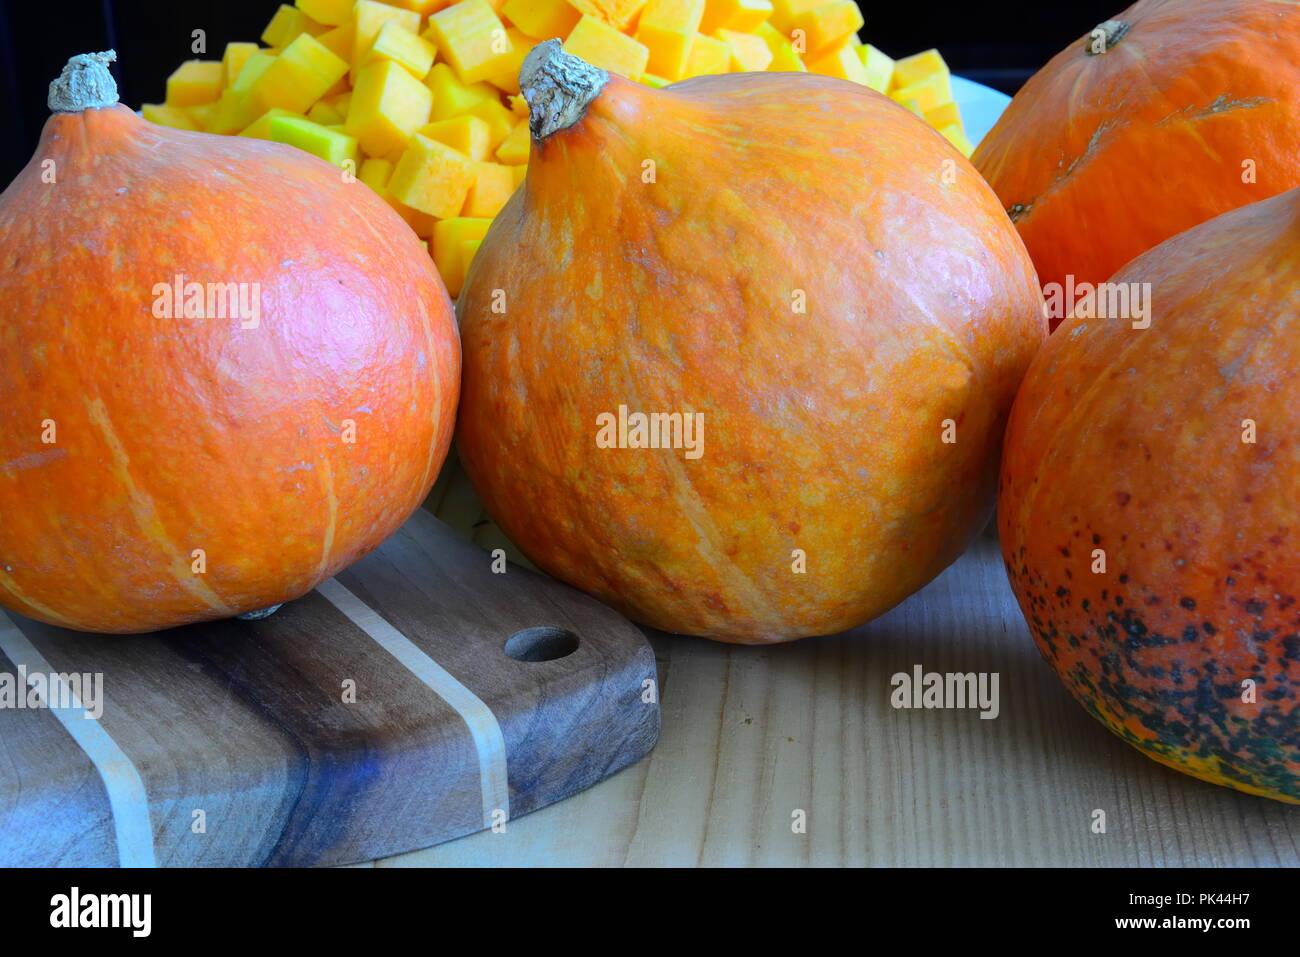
{"x":601,"y":45}
{"x":174,"y":116}
{"x":841,"y":61}
{"x":784,"y":57}
{"x":302,"y":73}
{"x":451,"y":97}
{"x":260,"y":129}
{"x":368,"y":18}
{"x":232,"y":112}
{"x":520,"y":174}
{"x":468,"y":248}
{"x":507,"y":81}
{"x":195,"y":82}
{"x":470,"y":37}
{"x":620,"y":14}
{"x":329,"y":12}
{"x":749,"y":54}
{"x":288,"y":24}
{"x":743,"y":16}
{"x":945,"y":114}
{"x":324,"y":114}
{"x":339,"y":41}
{"x":515,"y":148}
{"x":408,"y":50}
{"x":466,"y":134}
{"x":233,"y":60}
{"x":388,"y":105}
{"x":911,"y":105}
{"x":708,"y":55}
{"x":432,"y":177}
{"x":915,"y":68}
{"x":928,"y":93}
{"x":542,"y":19}
{"x":667,"y":28}
{"x":654,"y":82}
{"x":957,"y":137}
{"x":375,"y":173}
{"x":254,"y":67}
{"x":827,"y":26}
{"x":500,"y":121}
{"x":202,"y":115}
{"x":340,"y":103}
{"x":447,"y":238}
{"x":784,"y":12}
{"x":880,"y":68}
{"x":518,"y":106}
{"x":492,"y":186}
{"x":330,"y":145}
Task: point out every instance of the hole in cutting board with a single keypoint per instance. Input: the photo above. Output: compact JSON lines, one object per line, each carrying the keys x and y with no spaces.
{"x":541,"y":644}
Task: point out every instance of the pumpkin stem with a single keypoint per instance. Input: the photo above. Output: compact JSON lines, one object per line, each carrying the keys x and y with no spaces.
{"x":558,"y":87}
{"x":1104,"y":36}
{"x":84,"y":84}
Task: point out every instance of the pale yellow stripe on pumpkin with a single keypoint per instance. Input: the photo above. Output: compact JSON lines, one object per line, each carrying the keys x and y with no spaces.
{"x":326,"y":473}
{"x":437,"y":389}
{"x":146,"y":514}
{"x":24,"y":601}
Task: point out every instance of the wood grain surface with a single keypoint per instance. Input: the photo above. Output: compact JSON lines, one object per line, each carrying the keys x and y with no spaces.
{"x":245,"y":727}
{"x":753,"y":734}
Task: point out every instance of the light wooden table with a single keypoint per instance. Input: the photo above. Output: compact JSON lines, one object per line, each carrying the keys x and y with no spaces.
{"x":751,"y":735}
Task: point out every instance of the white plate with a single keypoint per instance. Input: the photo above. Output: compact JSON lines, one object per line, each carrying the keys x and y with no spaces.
{"x":980,"y":106}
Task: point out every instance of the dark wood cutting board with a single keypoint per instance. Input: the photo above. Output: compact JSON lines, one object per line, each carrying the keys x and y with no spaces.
{"x":236,"y":743}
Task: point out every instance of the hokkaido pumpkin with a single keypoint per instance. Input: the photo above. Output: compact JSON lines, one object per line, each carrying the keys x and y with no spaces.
{"x":225,"y":371}
{"x":1166,"y":116}
{"x":1148,"y":504}
{"x":792,"y":268}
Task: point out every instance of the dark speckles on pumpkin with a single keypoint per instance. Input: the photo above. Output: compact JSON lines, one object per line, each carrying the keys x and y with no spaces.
{"x":1188,"y":603}
{"x":1255,"y":607}
{"x":1123,"y":498}
{"x":1096,"y":539}
{"x":1291,"y":647}
{"x":1209,"y":628}
{"x":1063,"y":550}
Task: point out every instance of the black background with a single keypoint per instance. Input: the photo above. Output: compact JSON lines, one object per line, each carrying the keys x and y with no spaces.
{"x":997,"y":42}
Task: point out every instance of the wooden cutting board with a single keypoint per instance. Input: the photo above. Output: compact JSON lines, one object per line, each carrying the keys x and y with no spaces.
{"x":417,"y":697}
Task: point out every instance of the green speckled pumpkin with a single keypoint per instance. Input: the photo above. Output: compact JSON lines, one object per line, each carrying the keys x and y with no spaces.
{"x":1149,"y":504}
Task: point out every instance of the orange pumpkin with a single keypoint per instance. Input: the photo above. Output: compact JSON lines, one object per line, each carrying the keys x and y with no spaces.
{"x":1166,"y":116}
{"x":830,"y":286}
{"x":1148,"y":505}
{"x":172,"y":458}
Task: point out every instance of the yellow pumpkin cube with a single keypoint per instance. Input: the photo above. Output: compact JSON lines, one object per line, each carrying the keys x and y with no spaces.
{"x":784,"y":12}
{"x":654,"y":82}
{"x":466,"y":134}
{"x":339,"y":41}
{"x":945,"y":114}
{"x":447,"y":238}
{"x":324,"y":114}
{"x":601,"y":45}
{"x":667,"y":28}
{"x":408,"y":50}
{"x":260,"y":129}
{"x":743,"y":16}
{"x":520,"y":174}
{"x":507,"y":81}
{"x":917,"y":67}
{"x":451,"y":97}
{"x":749,"y":54}
{"x":329,"y":12}
{"x":929,"y":93}
{"x":880,"y":68}
{"x":302,"y":73}
{"x":432,"y":177}
{"x":542,"y":19}
{"x":232,"y":112}
{"x":288,"y":24}
{"x":375,"y":173}
{"x":195,"y":82}
{"x":708,"y":55}
{"x":500,"y":121}
{"x":233,"y":60}
{"x":422,"y":7}
{"x":784,"y":57}
{"x":841,"y":61}
{"x":827,"y":26}
{"x":330,"y":145}
{"x":957,"y":137}
{"x":492,"y":186}
{"x":518,"y":106}
{"x":515,"y":148}
{"x":470,"y":37}
{"x":468,"y":249}
{"x":368,"y":18}
{"x":340,"y":103}
{"x":174,"y":116}
{"x":202,"y":115}
{"x":620,"y":14}
{"x":388,"y":105}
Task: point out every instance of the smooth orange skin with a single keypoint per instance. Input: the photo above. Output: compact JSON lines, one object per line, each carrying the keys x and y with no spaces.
{"x":182,"y":434}
{"x":822,"y":430}
{"x":1130,"y":441}
{"x":1115,"y":153}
